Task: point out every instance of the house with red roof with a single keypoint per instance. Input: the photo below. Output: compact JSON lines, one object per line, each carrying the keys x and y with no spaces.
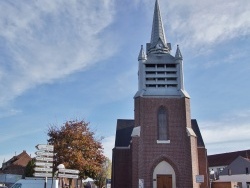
{"x":16,"y":165}
{"x":230,"y":167}
{"x":218,"y":162}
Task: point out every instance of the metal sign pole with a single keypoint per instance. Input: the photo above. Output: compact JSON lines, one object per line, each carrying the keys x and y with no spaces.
{"x":52,"y":182}
{"x":45,"y":183}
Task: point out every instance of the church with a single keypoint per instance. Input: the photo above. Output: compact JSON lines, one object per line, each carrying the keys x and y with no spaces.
{"x":162,"y":147}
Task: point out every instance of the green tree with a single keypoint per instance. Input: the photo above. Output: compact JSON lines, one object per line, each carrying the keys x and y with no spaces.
{"x":104,"y":174}
{"x":29,"y":169}
{"x":76,"y":147}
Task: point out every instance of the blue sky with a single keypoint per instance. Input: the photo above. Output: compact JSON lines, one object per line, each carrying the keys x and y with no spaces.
{"x":64,"y":60}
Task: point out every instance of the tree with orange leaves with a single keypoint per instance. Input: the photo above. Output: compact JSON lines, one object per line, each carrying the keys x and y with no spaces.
{"x":76,"y":147}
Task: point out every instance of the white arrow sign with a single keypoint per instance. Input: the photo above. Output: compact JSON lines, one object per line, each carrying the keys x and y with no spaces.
{"x":44,"y":159}
{"x":43,"y":153}
{"x":68,"y":176}
{"x":45,"y":147}
{"x":43,"y":164}
{"x":42,"y":174}
{"x":71,"y":171}
{"x":43,"y":169}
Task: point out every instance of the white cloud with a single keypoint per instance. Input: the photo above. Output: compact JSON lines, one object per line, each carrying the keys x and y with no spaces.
{"x":234,"y":57}
{"x":46,"y":40}
{"x":202,"y":25}
{"x":6,"y":112}
{"x":108,"y":145}
{"x":231,"y":132}
{"x":206,"y":22}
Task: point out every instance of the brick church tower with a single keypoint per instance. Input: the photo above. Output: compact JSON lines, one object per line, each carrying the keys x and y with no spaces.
{"x":162,"y":147}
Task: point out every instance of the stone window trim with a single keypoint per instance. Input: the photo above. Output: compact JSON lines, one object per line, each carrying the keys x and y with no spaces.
{"x":163,"y":141}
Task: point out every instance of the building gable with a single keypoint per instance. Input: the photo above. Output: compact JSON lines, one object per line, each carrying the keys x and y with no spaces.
{"x":124,"y":130}
{"x":17,"y":164}
{"x":225,"y":159}
{"x":196,"y":129}
{"x":240,"y":165}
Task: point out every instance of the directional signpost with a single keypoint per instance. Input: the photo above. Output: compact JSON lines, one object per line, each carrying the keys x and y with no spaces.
{"x":43,"y":153}
{"x":44,"y":164}
{"x":47,"y":164}
{"x":38,"y":169}
{"x":44,"y":147}
{"x":48,"y":175}
{"x":44,"y":161}
{"x":68,"y":173}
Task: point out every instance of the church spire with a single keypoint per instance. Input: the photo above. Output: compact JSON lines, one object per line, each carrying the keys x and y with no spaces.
{"x":158,"y":43}
{"x":157,"y":27}
{"x":160,"y":73}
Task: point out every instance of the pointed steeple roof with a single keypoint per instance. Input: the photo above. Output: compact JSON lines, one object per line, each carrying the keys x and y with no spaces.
{"x":178,"y":53}
{"x":142,"y":55}
{"x":157,"y":28}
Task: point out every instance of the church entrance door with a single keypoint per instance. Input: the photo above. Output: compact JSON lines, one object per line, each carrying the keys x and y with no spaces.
{"x":164,"y":181}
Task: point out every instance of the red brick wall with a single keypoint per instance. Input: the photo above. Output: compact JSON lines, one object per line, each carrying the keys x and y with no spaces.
{"x":203,"y":166}
{"x":121,"y":168}
{"x":134,"y":148}
{"x":177,"y":152}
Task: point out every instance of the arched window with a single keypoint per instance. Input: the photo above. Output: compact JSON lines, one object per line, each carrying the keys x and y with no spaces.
{"x":162,"y":124}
